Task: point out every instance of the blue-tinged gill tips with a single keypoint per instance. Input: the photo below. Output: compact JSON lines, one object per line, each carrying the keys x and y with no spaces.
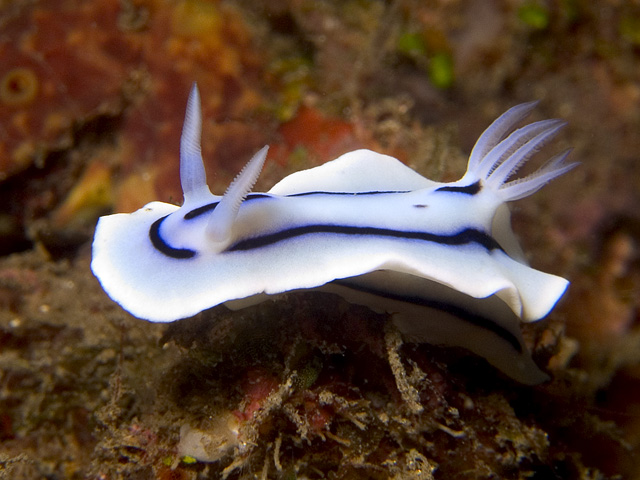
{"x":523,"y":187}
{"x":221,"y":221}
{"x":497,"y":131}
{"x":495,"y":158}
{"x":192,"y":175}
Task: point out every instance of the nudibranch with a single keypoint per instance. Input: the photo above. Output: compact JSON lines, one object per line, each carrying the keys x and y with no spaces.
{"x":441,"y":258}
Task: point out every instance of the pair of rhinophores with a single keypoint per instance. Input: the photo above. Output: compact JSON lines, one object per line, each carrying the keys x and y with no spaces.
{"x":440,"y":257}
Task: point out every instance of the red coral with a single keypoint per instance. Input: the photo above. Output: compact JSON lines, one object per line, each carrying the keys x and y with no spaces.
{"x":256,"y":386}
{"x":323,"y":138}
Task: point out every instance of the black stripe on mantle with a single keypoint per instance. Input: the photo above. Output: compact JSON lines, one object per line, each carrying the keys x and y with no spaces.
{"x":464,"y":237}
{"x":467,"y":189}
{"x":163,"y":247}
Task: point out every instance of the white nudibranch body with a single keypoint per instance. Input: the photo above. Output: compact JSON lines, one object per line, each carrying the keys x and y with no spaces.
{"x":440,"y":257}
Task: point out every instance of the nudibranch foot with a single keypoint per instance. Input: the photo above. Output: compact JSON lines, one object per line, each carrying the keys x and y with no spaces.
{"x":428,"y":312}
{"x":441,"y":258}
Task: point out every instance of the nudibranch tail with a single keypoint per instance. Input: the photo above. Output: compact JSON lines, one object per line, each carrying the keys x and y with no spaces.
{"x":222,"y":218}
{"x":495,"y":159}
{"x":192,"y":174}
